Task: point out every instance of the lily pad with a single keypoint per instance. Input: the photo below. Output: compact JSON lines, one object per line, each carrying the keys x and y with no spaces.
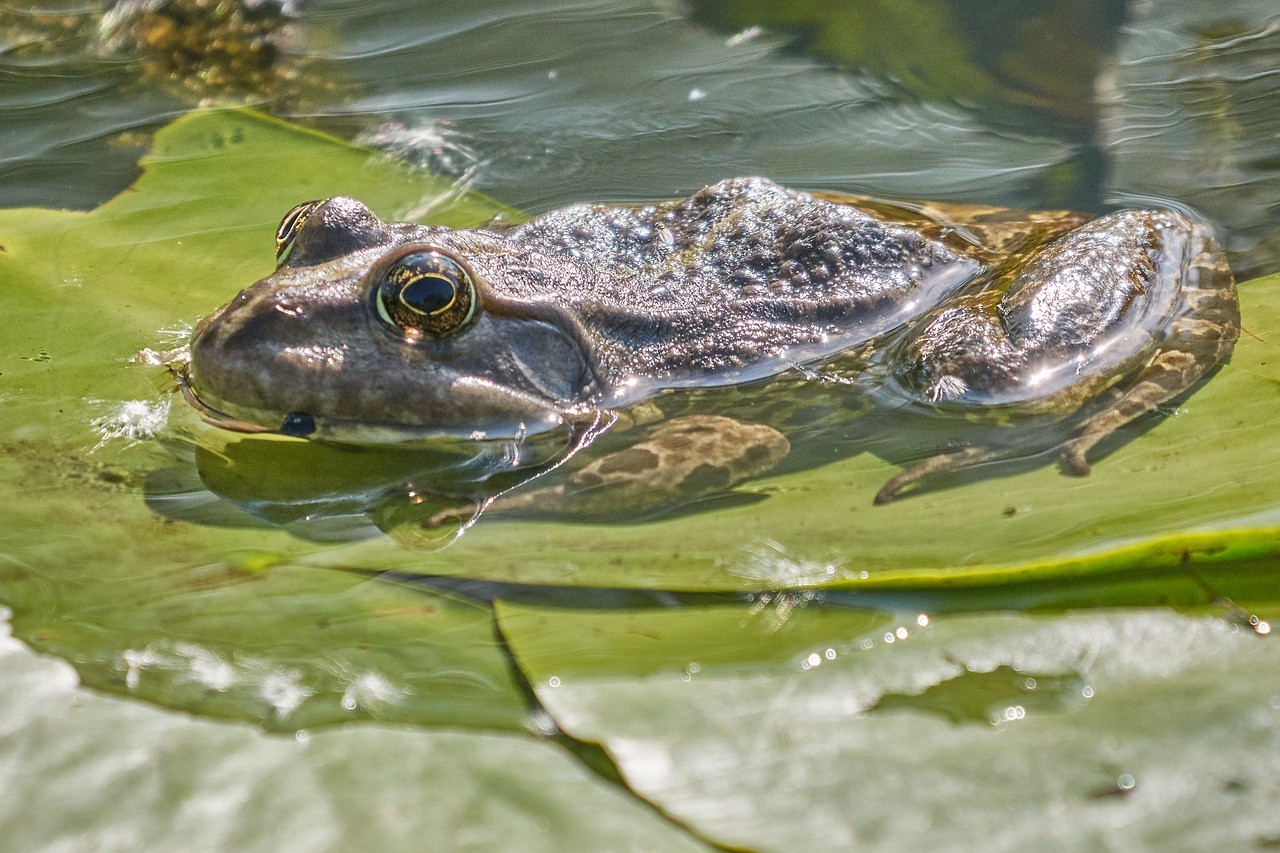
{"x":92,"y":771}
{"x":835,"y":730}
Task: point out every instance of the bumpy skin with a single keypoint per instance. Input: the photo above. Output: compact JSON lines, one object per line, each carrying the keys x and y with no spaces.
{"x":593,"y":308}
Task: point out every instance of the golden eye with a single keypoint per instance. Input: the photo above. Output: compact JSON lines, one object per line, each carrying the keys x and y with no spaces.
{"x":427,"y":293}
{"x":289,"y":226}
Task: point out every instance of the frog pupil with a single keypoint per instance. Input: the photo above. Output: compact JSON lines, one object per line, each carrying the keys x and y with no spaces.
{"x":429,"y":294}
{"x":426,"y":293}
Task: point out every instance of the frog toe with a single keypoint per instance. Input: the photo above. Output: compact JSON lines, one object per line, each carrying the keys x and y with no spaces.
{"x":952,"y":460}
{"x":1075,"y":456}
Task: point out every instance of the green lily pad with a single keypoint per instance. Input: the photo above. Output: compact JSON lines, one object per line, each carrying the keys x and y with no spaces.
{"x":788,"y":727}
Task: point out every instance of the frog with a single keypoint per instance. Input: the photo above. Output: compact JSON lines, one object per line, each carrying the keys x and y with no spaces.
{"x":589,"y":319}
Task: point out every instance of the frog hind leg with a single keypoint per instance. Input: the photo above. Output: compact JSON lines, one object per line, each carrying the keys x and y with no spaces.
{"x":1197,"y":341}
{"x":1204,"y":327}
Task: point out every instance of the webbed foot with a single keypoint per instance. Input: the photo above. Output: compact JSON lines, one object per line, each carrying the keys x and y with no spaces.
{"x":1130,"y":371}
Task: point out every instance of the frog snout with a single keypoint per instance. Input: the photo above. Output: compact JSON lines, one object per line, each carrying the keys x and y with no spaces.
{"x":254,"y":352}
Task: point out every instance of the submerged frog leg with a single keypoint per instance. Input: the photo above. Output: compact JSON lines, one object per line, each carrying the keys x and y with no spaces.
{"x":679,"y":461}
{"x":1197,"y":341}
{"x":955,"y":460}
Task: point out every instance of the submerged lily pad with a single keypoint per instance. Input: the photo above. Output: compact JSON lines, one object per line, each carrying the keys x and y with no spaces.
{"x":1196,"y":487}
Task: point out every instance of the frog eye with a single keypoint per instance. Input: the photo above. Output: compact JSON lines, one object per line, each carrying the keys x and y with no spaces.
{"x":289,"y":226}
{"x":427,"y":293}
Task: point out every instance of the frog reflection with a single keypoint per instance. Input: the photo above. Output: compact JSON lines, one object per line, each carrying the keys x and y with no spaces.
{"x":598,"y":316}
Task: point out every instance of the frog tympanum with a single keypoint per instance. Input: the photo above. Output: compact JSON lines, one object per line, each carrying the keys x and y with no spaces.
{"x":596,"y":316}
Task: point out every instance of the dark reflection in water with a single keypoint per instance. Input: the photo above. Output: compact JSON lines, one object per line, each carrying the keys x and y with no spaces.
{"x":1190,"y":113}
{"x":1047,"y":104}
{"x":86,"y":84}
{"x":1027,"y":68}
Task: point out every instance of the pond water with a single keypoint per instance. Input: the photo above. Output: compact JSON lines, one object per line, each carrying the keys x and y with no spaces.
{"x":785,"y":665}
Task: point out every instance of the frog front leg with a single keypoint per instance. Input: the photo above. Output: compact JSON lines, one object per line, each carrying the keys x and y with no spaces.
{"x":1108,"y":321}
{"x":678,"y":461}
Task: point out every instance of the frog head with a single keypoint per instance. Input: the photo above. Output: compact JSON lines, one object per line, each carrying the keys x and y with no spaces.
{"x":377,"y":331}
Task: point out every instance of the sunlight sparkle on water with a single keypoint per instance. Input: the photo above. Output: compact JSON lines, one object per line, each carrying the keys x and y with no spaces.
{"x":1009,"y":715}
{"x":768,"y":561}
{"x":209,"y":670}
{"x":371,"y":690}
{"x":133,"y":662}
{"x":746,"y":35}
{"x":133,"y":420}
{"x":782,"y":604}
{"x":816,"y":659}
{"x":255,"y":680}
{"x":284,"y":691}
{"x":539,"y":722}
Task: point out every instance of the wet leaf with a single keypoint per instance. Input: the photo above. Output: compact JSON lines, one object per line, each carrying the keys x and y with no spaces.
{"x":824,"y":729}
{"x":95,"y":771}
{"x":1188,"y":496}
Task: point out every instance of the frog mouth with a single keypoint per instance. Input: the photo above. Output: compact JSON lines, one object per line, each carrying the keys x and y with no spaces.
{"x":303,"y":425}
{"x":206,"y":412}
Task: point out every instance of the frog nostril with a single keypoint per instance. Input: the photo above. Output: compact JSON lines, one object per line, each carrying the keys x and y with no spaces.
{"x":298,"y":424}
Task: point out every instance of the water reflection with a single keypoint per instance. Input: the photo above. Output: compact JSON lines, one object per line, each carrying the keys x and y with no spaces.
{"x":1189,"y":113}
{"x":997,"y":697}
{"x":1081,"y":104}
{"x":426,"y":498}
